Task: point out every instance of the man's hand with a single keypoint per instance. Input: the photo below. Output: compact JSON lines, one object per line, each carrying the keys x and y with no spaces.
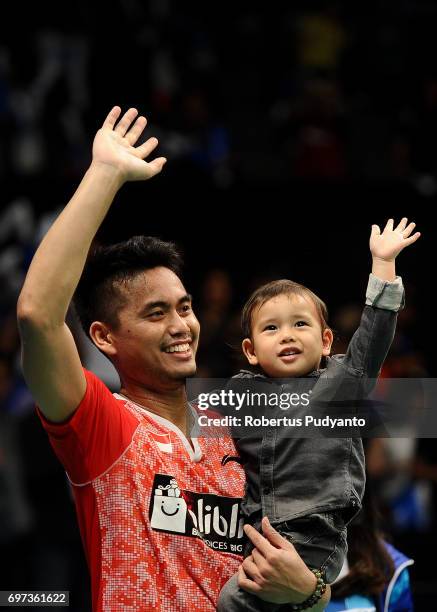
{"x":114,"y":147}
{"x":386,"y":246}
{"x":274,"y":571}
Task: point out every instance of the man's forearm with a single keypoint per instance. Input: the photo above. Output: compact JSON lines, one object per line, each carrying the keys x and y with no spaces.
{"x":59,"y":260}
{"x":324,"y":601}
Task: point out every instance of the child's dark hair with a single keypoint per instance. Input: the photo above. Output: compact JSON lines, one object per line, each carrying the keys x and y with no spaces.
{"x":99,"y":296}
{"x":273,"y":289}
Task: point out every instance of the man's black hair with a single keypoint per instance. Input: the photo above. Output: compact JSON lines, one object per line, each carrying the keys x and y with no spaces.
{"x":99,"y":295}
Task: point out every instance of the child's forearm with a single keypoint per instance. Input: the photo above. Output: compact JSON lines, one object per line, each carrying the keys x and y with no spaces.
{"x":383,"y":269}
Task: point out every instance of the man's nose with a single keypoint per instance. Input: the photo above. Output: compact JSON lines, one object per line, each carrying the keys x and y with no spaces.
{"x":178,"y":325}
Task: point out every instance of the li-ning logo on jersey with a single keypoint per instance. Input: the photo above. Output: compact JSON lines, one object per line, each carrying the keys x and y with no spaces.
{"x":214,"y":518}
{"x":227,"y":458}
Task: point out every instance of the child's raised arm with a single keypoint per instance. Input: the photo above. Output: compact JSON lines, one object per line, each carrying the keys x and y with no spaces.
{"x":386,"y":246}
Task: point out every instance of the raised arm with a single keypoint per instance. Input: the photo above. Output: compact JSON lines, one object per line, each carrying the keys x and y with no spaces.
{"x":386,"y":246}
{"x":50,"y":359}
{"x":371,"y":342}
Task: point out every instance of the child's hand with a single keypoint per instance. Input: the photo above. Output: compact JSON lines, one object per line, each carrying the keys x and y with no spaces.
{"x":391,"y":242}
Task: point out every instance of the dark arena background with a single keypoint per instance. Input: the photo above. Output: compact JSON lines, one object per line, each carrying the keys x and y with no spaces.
{"x":289,"y":128}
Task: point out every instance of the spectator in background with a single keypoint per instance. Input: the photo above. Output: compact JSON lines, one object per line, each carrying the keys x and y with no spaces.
{"x":321,"y":39}
{"x":375,"y":576}
{"x":218,"y":322}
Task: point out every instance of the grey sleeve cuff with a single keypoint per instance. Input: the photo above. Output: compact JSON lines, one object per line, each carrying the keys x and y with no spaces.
{"x":385,"y":294}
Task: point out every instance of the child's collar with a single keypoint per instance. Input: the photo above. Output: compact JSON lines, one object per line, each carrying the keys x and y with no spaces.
{"x":256,"y":372}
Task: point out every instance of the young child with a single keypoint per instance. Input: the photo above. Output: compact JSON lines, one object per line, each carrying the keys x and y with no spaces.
{"x":310,"y":488}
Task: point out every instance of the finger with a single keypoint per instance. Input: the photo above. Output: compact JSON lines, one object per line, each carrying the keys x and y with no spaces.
{"x":136,"y":130}
{"x":245,"y":583}
{"x":146,"y":148}
{"x":274,"y":537}
{"x":157,"y":164}
{"x":389,"y":225}
{"x":257,"y":558}
{"x":258,"y":540}
{"x":402,"y":224}
{"x":112,"y":117}
{"x":251,"y":570}
{"x":125,"y":121}
{"x":407,"y":231}
{"x":376,"y":231}
{"x":413,"y":238}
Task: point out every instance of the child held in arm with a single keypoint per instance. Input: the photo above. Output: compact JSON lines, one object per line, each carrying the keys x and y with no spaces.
{"x":310,"y":488}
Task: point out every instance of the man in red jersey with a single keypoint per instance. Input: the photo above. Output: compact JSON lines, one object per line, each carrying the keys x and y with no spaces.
{"x":158,"y":510}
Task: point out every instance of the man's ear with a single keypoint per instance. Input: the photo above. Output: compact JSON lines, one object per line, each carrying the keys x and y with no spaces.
{"x":249,"y":351}
{"x":327,"y":340}
{"x":102,"y":338}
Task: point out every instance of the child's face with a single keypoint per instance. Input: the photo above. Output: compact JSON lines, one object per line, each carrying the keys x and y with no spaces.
{"x":287,"y":338}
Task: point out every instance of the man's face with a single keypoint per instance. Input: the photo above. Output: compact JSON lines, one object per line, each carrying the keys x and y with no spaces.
{"x":156,"y":340}
{"x":287,"y":338}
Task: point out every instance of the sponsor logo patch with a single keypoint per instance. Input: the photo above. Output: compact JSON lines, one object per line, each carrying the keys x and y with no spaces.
{"x":216,"y":519}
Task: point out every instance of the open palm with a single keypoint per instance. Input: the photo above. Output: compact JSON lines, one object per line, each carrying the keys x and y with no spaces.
{"x":114,"y":146}
{"x":388,"y":244}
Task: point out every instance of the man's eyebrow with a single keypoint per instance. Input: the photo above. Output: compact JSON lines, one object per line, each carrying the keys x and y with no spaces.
{"x":165,"y":305}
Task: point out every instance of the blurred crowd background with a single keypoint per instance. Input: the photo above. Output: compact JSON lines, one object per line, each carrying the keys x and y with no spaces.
{"x":290,"y":127}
